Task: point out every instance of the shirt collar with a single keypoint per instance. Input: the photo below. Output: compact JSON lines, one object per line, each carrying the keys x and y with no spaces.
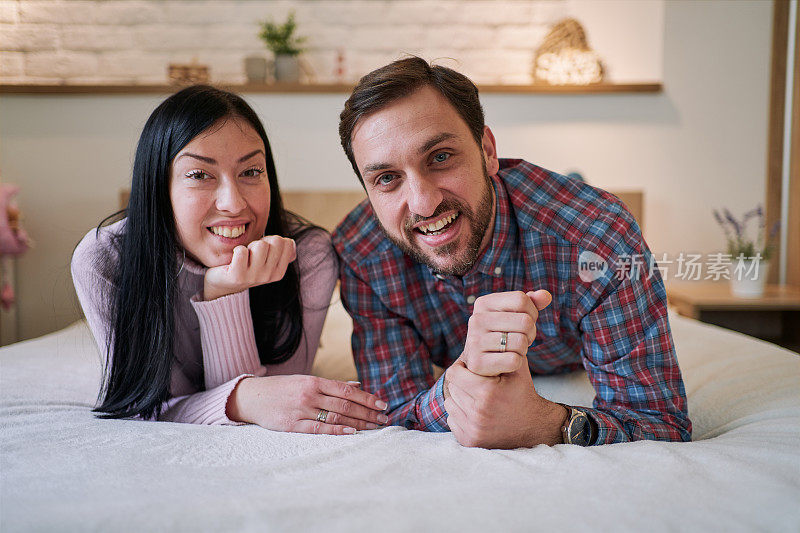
{"x":493,"y":259}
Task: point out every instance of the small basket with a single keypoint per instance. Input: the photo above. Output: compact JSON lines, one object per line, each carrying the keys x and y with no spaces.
{"x":187,"y":74}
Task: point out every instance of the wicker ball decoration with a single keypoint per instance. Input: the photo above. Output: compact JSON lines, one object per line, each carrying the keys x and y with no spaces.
{"x":565,"y":58}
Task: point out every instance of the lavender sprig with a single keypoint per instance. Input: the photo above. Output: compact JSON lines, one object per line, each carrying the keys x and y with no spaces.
{"x":736,"y":232}
{"x":734,"y":223}
{"x":722,"y":224}
{"x":774,"y":230}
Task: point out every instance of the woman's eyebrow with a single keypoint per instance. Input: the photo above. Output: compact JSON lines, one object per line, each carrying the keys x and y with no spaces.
{"x":200,"y":157}
{"x":251,"y":154}
{"x":212,"y":161}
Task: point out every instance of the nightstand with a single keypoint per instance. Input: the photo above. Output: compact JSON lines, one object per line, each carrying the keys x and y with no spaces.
{"x":774,"y":317}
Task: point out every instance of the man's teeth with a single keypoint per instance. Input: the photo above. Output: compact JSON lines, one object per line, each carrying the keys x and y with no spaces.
{"x":228,"y":231}
{"x":436,"y":226}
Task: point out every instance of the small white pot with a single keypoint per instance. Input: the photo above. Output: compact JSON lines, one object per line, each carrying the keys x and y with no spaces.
{"x":255,"y":68}
{"x":748,"y":278}
{"x":287,"y":68}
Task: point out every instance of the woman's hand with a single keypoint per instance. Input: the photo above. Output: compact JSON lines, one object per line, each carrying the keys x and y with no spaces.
{"x":292,"y":403}
{"x":262,"y":261}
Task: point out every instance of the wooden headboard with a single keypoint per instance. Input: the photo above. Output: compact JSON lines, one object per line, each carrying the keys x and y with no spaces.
{"x":325,"y":208}
{"x":328,"y":208}
{"x":634,"y":201}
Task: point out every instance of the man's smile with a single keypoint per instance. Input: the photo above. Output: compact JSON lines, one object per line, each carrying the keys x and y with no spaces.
{"x":436,"y":226}
{"x":440,"y":231}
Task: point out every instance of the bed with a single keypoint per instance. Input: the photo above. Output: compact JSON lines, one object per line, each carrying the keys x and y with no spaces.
{"x":64,"y":470}
{"x":61,"y":469}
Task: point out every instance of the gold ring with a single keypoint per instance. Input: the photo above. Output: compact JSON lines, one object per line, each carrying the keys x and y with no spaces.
{"x":322,"y":416}
{"x":503,"y":341}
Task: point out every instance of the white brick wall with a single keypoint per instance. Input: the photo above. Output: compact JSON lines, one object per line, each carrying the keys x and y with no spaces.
{"x":8,"y":11}
{"x":12,"y":64}
{"x":132,"y":41}
{"x":60,"y":65}
{"x":96,"y":38}
{"x":18,"y":37}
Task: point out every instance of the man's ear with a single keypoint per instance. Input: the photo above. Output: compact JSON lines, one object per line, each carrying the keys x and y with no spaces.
{"x":490,"y":152}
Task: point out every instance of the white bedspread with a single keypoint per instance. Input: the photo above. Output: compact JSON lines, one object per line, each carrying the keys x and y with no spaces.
{"x":64,"y":470}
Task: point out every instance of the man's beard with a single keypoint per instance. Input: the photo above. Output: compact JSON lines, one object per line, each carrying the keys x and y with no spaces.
{"x":477,"y":220}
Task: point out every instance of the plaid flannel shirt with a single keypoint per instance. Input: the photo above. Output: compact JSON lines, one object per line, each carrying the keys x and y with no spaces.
{"x":407,"y":318}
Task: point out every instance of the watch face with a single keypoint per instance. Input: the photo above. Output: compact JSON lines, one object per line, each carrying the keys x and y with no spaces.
{"x":578,"y":429}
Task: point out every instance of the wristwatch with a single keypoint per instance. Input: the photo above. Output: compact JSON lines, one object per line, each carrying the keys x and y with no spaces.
{"x":577,"y":427}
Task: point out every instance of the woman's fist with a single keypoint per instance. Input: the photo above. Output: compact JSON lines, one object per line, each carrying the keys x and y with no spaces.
{"x":262,"y":261}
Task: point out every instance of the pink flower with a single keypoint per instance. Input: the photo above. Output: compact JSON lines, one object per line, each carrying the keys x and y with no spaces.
{"x":13,"y":239}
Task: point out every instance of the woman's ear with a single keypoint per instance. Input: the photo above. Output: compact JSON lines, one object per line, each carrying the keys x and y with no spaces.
{"x":490,"y":152}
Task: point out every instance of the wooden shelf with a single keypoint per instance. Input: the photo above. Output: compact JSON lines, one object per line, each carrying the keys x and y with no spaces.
{"x":325,"y":88}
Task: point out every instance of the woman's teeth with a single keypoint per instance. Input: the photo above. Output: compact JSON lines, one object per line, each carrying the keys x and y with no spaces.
{"x":435,"y":227}
{"x":230,"y":232}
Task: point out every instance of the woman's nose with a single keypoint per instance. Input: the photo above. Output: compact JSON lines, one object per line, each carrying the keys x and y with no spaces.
{"x":229,"y":197}
{"x":424,"y":196}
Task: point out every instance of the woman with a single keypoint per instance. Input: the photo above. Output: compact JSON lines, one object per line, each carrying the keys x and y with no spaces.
{"x":196,"y":297}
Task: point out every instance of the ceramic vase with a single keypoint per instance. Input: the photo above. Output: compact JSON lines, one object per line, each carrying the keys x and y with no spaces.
{"x":748,"y":277}
{"x":255,"y":68}
{"x":287,"y":69}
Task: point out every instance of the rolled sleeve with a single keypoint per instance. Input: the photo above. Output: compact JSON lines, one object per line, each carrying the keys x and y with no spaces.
{"x":630,"y":359}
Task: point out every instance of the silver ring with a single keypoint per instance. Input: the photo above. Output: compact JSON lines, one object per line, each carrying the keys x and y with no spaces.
{"x":322,"y":416}
{"x":503,"y":341}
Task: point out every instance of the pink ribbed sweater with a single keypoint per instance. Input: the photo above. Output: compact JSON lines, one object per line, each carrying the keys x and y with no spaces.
{"x":214,"y":342}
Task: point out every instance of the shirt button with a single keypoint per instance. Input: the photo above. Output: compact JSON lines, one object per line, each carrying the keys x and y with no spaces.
{"x":471,"y":299}
{"x":498,"y":271}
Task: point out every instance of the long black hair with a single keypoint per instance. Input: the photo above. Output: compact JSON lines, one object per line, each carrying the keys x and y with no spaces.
{"x":144,"y":264}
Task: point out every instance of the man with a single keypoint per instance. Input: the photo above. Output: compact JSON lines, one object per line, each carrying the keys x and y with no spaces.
{"x":454,"y":259}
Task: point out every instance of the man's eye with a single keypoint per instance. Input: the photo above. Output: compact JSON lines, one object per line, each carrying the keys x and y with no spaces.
{"x":385,"y":179}
{"x":441,"y":157}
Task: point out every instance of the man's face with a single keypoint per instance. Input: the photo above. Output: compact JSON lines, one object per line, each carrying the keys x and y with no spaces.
{"x":428,"y":180}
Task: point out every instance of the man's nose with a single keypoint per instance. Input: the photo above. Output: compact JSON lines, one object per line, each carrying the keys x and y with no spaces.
{"x":424,"y":196}
{"x":229,"y":197}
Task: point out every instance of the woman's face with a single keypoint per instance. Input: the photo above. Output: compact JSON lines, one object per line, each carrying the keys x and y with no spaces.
{"x":220,"y":191}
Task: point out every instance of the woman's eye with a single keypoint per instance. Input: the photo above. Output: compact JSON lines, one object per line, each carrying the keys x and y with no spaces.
{"x":441,"y":157}
{"x":198,"y":175}
{"x":253,"y":173}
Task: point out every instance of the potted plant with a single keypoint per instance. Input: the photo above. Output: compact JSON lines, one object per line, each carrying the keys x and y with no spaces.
{"x":286,"y":46}
{"x":749,"y":251}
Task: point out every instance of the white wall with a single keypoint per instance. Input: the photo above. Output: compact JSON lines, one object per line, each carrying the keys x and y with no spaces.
{"x":700,"y":144}
{"x":132,"y":41}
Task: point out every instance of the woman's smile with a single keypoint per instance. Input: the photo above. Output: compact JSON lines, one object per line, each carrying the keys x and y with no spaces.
{"x":228,"y":232}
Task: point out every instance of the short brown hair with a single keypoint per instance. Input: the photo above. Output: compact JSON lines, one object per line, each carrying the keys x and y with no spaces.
{"x":400,"y":78}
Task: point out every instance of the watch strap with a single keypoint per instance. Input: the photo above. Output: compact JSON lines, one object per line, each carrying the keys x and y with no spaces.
{"x":572,"y":412}
{"x":565,"y":424}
